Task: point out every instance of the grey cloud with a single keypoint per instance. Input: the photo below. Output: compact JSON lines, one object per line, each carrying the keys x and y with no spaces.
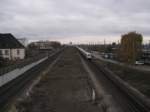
{"x":59,"y":18}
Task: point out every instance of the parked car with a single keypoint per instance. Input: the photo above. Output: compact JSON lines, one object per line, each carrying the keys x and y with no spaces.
{"x":139,"y":62}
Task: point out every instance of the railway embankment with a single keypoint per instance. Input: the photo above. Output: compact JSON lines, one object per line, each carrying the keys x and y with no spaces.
{"x":76,"y":84}
{"x":136,"y":78}
{"x":15,"y":88}
{"x":129,"y":98}
{"x":65,"y":88}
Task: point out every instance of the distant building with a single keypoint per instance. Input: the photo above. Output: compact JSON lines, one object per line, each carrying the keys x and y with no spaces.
{"x":43,"y":45}
{"x":11,"y":48}
{"x":146,"y":56}
{"x":23,"y":41}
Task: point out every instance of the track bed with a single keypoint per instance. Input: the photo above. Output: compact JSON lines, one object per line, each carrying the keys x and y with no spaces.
{"x":66,"y":88}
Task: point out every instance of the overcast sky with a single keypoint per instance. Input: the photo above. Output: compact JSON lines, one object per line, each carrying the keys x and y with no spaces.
{"x":76,"y":20}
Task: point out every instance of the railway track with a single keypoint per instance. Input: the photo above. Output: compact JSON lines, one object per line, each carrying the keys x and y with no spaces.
{"x":14,"y":87}
{"x":122,"y":100}
{"x":125,"y":101}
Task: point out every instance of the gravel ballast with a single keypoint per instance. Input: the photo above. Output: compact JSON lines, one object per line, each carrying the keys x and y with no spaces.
{"x":65,"y":88}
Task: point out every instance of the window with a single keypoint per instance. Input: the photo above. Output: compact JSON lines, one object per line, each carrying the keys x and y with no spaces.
{"x":6,"y":52}
{"x":18,"y":51}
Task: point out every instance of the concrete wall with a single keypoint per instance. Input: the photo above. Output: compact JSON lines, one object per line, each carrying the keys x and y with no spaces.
{"x":17,"y":72}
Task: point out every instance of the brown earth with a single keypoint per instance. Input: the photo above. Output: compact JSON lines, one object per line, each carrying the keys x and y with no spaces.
{"x":66,"y":88}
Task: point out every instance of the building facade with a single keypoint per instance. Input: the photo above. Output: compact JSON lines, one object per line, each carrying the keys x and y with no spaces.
{"x":11,"y":48}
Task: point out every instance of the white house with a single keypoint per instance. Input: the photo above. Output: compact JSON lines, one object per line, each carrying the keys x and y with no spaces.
{"x":11,"y":48}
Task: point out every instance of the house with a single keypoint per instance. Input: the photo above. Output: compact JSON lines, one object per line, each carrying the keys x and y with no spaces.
{"x":44,"y":45}
{"x":11,"y":48}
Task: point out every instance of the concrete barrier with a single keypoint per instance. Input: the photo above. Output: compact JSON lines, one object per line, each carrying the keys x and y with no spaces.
{"x":133,"y":93}
{"x":5,"y":78}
